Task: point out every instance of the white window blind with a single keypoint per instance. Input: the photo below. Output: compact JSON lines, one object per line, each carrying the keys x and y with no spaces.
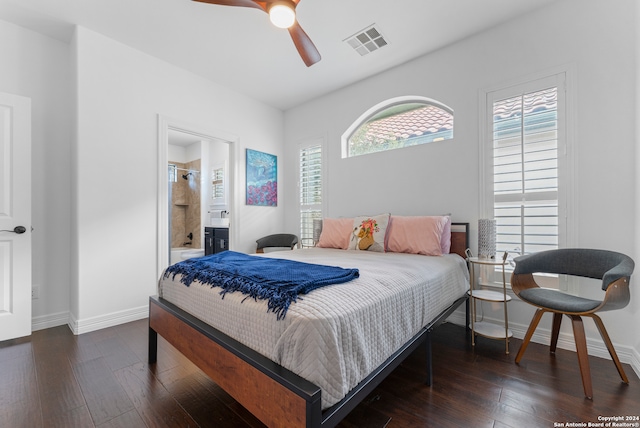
{"x":217,"y":182}
{"x":526,"y":168}
{"x":310,"y":189}
{"x":525,"y":171}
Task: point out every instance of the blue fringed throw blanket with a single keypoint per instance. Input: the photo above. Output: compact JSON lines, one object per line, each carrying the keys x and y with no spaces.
{"x":278,"y":281}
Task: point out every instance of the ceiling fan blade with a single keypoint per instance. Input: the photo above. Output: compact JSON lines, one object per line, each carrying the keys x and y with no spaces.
{"x":305,"y":46}
{"x":242,"y":3}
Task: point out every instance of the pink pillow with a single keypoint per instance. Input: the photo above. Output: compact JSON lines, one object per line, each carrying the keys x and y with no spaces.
{"x":335,"y":233}
{"x":416,"y":235}
{"x":445,"y":239}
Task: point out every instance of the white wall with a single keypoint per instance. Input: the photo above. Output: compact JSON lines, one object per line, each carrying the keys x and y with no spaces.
{"x":194,"y":151}
{"x":38,"y":67}
{"x":120,"y":92}
{"x":595,"y":38}
{"x":635,"y":296}
{"x":176,"y":153}
{"x":95,"y":107}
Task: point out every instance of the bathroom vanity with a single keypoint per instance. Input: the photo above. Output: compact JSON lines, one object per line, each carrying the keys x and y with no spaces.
{"x":216,"y":240}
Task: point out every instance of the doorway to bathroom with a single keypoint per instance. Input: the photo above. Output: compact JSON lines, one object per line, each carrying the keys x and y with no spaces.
{"x":196,"y":187}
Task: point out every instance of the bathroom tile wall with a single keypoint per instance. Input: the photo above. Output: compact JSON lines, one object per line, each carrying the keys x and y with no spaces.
{"x":185,"y":206}
{"x":193,"y":212}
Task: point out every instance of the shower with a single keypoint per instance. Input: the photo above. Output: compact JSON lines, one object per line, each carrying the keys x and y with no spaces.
{"x":184,"y":205}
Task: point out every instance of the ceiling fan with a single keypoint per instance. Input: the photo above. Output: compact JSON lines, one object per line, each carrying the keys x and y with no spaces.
{"x":282,"y":14}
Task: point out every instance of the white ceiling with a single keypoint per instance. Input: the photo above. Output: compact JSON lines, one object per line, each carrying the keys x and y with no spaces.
{"x":239,"y":48}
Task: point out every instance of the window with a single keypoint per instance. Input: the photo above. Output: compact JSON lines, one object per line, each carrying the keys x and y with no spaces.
{"x":173,"y":173}
{"x":218,"y":183}
{"x":525,"y":171}
{"x":310,"y":188}
{"x":525,"y":165}
{"x":397,"y":123}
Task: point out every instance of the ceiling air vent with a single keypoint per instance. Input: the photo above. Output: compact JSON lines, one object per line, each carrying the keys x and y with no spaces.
{"x":366,"y":41}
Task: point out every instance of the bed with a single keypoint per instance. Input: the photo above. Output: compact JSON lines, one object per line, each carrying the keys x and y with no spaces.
{"x":333,"y":347}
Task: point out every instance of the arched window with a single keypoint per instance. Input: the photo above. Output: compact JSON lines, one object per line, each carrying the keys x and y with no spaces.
{"x":396,"y":123}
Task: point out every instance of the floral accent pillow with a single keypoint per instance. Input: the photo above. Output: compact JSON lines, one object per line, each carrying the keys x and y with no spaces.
{"x":369,"y":232}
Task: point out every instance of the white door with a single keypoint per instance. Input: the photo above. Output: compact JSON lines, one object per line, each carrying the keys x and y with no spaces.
{"x":15,"y":216}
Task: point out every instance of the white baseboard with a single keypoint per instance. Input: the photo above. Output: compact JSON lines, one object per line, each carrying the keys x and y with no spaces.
{"x":86,"y":325}
{"x":635,"y":362}
{"x":48,"y":321}
{"x":595,"y":347}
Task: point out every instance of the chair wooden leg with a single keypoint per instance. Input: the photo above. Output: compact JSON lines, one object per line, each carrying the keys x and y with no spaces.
{"x":583,"y":356}
{"x":527,"y":337}
{"x":555,"y":331}
{"x":612,"y":351}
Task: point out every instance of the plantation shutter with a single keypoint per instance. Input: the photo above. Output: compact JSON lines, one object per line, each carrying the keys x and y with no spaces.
{"x":310,"y":189}
{"x":525,"y":171}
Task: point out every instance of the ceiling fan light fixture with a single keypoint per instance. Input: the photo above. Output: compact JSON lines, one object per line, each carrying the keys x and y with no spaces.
{"x":282,"y":14}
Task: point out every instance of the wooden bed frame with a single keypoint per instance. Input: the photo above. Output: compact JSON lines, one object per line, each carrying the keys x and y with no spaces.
{"x":275,"y":395}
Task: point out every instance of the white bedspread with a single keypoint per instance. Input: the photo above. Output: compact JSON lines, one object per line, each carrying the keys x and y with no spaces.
{"x":336,"y":335}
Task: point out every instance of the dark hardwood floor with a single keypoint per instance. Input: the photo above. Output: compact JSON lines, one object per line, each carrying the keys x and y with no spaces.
{"x":101,"y":379}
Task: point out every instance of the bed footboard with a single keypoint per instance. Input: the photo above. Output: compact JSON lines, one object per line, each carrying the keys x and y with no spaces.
{"x":274,"y":395}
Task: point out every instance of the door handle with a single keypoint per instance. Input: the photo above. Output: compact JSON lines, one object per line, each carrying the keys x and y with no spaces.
{"x":18,"y":229}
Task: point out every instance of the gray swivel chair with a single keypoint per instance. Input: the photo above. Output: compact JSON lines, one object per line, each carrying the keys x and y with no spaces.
{"x":280,"y":240}
{"x":614,"y":269}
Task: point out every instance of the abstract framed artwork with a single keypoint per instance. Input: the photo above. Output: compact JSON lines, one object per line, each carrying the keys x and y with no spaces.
{"x":262,"y":179}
